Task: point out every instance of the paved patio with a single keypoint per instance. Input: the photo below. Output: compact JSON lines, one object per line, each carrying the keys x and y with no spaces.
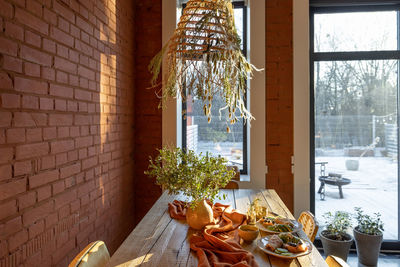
{"x":374,"y":188}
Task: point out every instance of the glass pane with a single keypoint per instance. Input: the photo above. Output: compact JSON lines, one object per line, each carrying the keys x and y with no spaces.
{"x":356,"y":138}
{"x":213,"y":138}
{"x":359,"y":31}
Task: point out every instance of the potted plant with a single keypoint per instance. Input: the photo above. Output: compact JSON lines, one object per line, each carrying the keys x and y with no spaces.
{"x":335,"y":240}
{"x":368,"y":235}
{"x":195,"y":176}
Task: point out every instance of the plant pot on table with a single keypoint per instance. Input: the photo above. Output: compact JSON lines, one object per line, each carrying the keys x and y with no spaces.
{"x":368,"y":247}
{"x":339,"y":248}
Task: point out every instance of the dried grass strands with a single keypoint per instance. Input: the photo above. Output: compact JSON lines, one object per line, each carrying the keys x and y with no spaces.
{"x":204,"y":59}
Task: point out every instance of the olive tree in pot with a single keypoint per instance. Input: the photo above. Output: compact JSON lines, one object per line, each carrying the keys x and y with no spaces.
{"x":335,"y":240}
{"x":197,"y":177}
{"x":368,"y":235}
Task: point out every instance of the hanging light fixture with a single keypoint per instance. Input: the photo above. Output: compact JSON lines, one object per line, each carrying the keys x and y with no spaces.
{"x":204,"y":59}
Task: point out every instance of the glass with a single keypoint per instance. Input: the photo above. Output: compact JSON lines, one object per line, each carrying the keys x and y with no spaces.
{"x":356,"y":31}
{"x":213,"y":138}
{"x":356,"y":138}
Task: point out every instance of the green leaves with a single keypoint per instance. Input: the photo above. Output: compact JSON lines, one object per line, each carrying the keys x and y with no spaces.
{"x":337,"y":223}
{"x":197,"y":177}
{"x":370,"y":225}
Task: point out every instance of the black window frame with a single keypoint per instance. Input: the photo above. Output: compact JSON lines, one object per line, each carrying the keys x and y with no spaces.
{"x":328,"y":7}
{"x":244,"y":171}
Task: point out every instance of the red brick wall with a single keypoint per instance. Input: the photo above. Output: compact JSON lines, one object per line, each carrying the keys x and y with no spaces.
{"x":279,"y":102}
{"x":148,"y":117}
{"x":66,"y":127}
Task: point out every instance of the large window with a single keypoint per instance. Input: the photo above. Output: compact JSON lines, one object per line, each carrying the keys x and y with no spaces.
{"x":212,"y":137}
{"x":355,"y":54}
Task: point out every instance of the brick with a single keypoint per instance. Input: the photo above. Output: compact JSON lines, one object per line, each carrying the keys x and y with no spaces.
{"x":61,"y":105}
{"x":49,"y":133}
{"x":84,"y":25}
{"x":43,"y":178}
{"x":62,"y":91}
{"x":22,"y":167}
{"x":64,"y":199}
{"x":46,"y":103}
{"x":62,"y":77}
{"x":27,"y":200}
{"x":82,"y":120}
{"x":6,"y":9}
{"x":63,"y":24}
{"x":83,"y":141}
{"x":34,"y":135}
{"x":36,"y":56}
{"x":31,"y":21}
{"x":65,"y":65}
{"x":36,"y":229}
{"x":14,"y":31}
{"x":32,"y":69}
{"x":6,"y":154}
{"x":5,"y":172}
{"x":5,"y":119}
{"x":5,"y":81}
{"x":34,"y":7}
{"x":87,"y":73}
{"x":11,"y":227}
{"x":88,"y":163}
{"x":30,"y":86}
{"x":61,"y":36}
{"x":32,"y":150}
{"x":62,"y":146}
{"x":18,"y":239}
{"x":15,"y":135}
{"x":7,"y":209}
{"x":58,"y":187}
{"x":62,"y":132}
{"x":50,"y":16}
{"x":60,"y":119}
{"x":13,"y":188}
{"x":48,"y":162}
{"x":44,"y":192}
{"x":62,"y":51}
{"x":61,"y":159}
{"x":83,"y":95}
{"x":37,"y":213}
{"x":24,"y":119}
{"x":64,"y":12}
{"x":49,"y":45}
{"x":48,"y":73}
{"x":8,"y":47}
{"x":30,"y":102}
{"x":33,"y":38}
{"x":12,"y":63}
{"x":10,"y":101}
{"x":70,"y":170}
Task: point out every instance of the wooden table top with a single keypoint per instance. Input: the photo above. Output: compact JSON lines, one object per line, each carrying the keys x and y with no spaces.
{"x":159,"y":240}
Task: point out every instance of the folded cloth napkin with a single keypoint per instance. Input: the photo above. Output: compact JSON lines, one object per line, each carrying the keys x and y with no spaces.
{"x":218,"y":244}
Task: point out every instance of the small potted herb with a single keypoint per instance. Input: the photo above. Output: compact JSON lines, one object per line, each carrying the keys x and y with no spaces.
{"x":335,"y":239}
{"x":195,"y":176}
{"x":368,"y":235}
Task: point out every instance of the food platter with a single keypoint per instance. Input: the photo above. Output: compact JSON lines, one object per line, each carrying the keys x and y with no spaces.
{"x":261,"y":243}
{"x":296,"y":227}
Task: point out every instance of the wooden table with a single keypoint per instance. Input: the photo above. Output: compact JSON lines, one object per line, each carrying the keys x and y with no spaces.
{"x":159,"y":240}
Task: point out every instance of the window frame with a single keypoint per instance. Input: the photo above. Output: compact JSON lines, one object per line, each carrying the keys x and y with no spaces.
{"x":387,"y":245}
{"x":245,"y":171}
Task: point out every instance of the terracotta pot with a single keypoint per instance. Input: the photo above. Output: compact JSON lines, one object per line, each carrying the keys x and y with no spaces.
{"x":200,"y":216}
{"x":335,"y":247}
{"x":368,"y":247}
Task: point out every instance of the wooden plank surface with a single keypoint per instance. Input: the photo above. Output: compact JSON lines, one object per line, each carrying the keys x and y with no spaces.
{"x":159,"y":240}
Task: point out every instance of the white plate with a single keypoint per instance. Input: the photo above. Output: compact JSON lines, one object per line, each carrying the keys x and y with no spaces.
{"x":297,"y":227}
{"x":261,"y":243}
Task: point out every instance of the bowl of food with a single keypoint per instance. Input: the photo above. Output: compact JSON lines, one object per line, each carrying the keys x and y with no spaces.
{"x":248,"y":232}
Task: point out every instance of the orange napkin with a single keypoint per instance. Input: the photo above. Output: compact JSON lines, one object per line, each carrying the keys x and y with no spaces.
{"x":218,"y":244}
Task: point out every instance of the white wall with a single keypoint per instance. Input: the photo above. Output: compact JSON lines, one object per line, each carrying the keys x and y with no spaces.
{"x":301,"y":87}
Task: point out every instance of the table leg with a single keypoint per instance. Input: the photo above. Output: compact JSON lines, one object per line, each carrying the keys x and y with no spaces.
{"x":340,"y":191}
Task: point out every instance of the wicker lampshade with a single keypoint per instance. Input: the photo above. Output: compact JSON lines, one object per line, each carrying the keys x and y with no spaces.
{"x":203,"y":59}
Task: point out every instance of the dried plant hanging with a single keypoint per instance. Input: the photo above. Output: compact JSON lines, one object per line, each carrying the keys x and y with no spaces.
{"x":204,"y":59}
